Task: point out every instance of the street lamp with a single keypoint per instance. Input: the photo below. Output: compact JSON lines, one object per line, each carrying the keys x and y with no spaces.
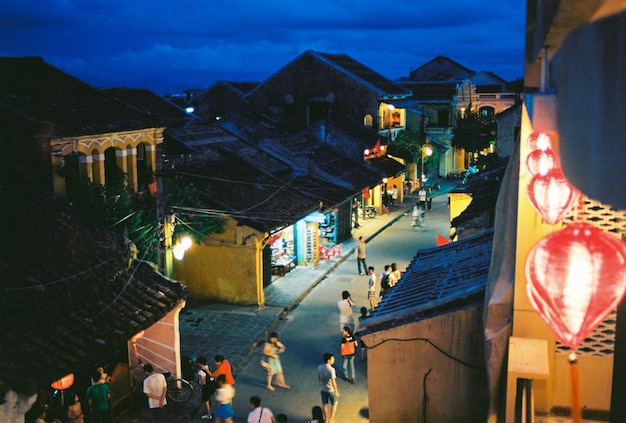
{"x":426,"y":151}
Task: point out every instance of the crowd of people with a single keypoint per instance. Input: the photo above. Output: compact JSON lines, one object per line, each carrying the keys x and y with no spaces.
{"x":218,"y":391}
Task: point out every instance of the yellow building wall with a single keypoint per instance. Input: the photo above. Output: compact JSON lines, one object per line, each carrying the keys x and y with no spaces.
{"x":527,"y":323}
{"x":399,"y":359}
{"x":458,"y":202}
{"x":226,"y":268}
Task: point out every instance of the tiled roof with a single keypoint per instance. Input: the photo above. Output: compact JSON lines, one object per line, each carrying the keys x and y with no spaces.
{"x":276,"y":182}
{"x":484,"y":188}
{"x":388,"y":165}
{"x":438,"y":280}
{"x":31,"y":87}
{"x":70,"y":294}
{"x":432,"y":90}
{"x":149,"y":103}
{"x":340,"y":169}
{"x":441,"y":68}
{"x":231,"y":186}
{"x":384,"y":86}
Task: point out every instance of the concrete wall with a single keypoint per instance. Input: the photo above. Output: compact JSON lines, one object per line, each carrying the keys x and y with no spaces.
{"x":226,"y":268}
{"x":158,"y":345}
{"x":399,"y":359}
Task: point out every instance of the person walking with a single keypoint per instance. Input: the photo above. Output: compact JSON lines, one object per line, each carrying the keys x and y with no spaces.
{"x":259,"y":414}
{"x":272,"y":349}
{"x":329,"y":390}
{"x":371,"y":289}
{"x":355,"y":213}
{"x":224,"y":397}
{"x":207,"y":385}
{"x":348,"y":349}
{"x":98,"y":397}
{"x":346,"y":315}
{"x":421,"y":198}
{"x":360,"y":256}
{"x":155,"y":388}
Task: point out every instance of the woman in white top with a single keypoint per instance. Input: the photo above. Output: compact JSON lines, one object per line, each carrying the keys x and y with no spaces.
{"x":224,"y":397}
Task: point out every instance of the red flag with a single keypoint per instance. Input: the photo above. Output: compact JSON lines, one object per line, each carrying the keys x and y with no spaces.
{"x":441,"y":240}
{"x":376,"y":148}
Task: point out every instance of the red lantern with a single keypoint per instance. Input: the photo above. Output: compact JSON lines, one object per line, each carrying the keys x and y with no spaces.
{"x":541,"y":161}
{"x":539,"y":141}
{"x":65,"y":382}
{"x":552,"y":195}
{"x":575,"y":277}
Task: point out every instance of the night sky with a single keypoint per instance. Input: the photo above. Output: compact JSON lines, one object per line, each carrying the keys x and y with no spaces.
{"x":170,"y":46}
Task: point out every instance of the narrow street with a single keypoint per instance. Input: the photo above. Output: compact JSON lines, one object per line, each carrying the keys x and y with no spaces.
{"x":312,"y":328}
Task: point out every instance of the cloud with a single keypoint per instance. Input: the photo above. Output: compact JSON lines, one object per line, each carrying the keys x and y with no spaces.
{"x":167,"y":45}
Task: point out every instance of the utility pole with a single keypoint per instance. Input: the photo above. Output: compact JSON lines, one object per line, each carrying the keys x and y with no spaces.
{"x":165,"y":220}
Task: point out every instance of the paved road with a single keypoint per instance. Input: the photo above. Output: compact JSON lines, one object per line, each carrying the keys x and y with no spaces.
{"x":312,"y":328}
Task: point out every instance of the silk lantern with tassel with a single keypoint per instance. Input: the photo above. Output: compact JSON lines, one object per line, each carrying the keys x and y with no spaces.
{"x":540,"y":162}
{"x":575,"y":277}
{"x":539,"y":141}
{"x":552,"y":195}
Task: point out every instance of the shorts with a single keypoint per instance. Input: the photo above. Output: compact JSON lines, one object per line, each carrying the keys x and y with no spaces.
{"x":207,"y":391}
{"x":371,"y":295}
{"x":224,"y":411}
{"x":329,"y":398}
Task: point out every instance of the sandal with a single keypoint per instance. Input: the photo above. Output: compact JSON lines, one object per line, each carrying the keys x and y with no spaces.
{"x":271,"y":388}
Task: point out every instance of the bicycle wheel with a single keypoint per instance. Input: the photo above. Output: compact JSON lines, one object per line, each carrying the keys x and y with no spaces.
{"x":179,"y":390}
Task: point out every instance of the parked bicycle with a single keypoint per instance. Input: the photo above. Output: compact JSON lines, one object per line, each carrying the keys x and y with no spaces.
{"x":370,"y":211}
{"x":178,"y":390}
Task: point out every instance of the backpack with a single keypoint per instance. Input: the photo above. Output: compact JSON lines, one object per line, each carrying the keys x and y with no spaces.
{"x":384,"y":282}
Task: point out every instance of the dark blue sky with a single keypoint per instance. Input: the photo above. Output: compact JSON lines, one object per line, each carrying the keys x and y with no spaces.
{"x":169,"y":46}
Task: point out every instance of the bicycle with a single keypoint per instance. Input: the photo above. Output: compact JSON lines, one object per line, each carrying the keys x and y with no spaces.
{"x":370,"y":212}
{"x":178,"y":389}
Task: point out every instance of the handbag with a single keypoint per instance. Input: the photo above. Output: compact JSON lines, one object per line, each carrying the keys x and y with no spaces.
{"x":347,"y":348}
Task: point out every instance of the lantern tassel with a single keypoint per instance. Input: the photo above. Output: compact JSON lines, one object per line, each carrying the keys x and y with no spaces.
{"x":576,"y":407}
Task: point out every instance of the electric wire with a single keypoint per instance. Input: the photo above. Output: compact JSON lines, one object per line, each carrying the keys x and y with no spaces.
{"x":428,"y":341}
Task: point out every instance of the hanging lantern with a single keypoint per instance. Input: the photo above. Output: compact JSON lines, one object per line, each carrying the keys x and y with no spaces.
{"x":541,"y":161}
{"x":64,"y":383}
{"x":539,"y":141}
{"x":552,"y":195}
{"x":575,"y":277}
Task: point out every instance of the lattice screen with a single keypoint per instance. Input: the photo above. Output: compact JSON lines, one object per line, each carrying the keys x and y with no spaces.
{"x":601,"y":342}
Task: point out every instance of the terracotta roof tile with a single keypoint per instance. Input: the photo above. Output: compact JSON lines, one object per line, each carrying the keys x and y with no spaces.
{"x":46,"y":95}
{"x":74,"y":291}
{"x":437,"y":281}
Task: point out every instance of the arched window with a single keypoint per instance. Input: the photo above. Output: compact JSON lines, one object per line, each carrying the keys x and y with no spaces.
{"x":368,"y":120}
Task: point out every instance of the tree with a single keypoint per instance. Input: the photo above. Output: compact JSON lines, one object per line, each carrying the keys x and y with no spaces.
{"x":114,"y":207}
{"x":474,"y":132}
{"x":409,"y":145}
